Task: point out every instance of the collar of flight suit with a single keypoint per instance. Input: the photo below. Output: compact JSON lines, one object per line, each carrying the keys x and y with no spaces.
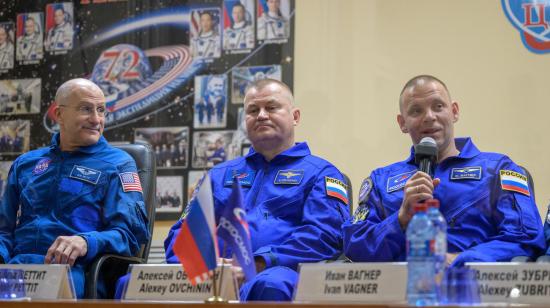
{"x":465,"y":146}
{"x":90,"y":149}
{"x":299,"y":149}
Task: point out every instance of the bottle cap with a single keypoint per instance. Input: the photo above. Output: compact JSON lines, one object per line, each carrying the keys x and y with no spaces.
{"x":432,"y":203}
{"x":420,"y":207}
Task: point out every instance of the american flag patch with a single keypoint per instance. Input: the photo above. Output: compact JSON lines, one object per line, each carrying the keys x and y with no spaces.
{"x":130,"y":182}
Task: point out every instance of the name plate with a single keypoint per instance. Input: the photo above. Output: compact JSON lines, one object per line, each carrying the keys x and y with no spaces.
{"x":43,"y":281}
{"x":525,"y":283}
{"x":169,"y":282}
{"x":352,"y":282}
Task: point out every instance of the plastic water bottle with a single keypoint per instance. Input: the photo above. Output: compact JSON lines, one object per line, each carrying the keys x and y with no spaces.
{"x":440,"y":250}
{"x":421,"y":287}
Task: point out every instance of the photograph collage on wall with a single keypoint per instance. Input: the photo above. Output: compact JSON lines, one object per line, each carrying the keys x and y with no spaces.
{"x":173,"y":72}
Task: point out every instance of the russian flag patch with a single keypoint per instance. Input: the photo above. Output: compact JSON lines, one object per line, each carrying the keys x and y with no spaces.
{"x":337,"y":189}
{"x":130,"y":182}
{"x":514,"y":181}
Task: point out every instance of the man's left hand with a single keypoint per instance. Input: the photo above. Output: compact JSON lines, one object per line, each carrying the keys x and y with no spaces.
{"x":66,"y":249}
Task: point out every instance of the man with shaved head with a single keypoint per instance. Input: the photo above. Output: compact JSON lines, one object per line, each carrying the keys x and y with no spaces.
{"x":485,"y":197}
{"x":295,"y":202}
{"x":76,"y":199}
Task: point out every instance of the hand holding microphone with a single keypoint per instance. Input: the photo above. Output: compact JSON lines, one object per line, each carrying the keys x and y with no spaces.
{"x":421,"y":185}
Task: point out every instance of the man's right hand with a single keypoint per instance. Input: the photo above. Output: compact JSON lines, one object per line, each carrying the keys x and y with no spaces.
{"x":419,"y":187}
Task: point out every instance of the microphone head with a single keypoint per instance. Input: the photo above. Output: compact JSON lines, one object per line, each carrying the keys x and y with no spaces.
{"x":428,"y":141}
{"x":426,"y":148}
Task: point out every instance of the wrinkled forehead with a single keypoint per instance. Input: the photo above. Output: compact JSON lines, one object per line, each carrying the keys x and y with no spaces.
{"x":86,"y":95}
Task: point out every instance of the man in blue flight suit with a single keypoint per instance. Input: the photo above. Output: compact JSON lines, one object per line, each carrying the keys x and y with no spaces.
{"x":295,"y":202}
{"x":485,"y":198}
{"x":76,"y":199}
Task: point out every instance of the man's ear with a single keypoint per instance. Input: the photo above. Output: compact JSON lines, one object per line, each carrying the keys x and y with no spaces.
{"x":401,"y":122}
{"x":58,"y":116}
{"x":296,"y":115}
{"x":456,"y":111}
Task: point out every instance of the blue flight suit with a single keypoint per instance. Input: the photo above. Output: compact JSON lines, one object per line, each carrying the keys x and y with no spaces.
{"x":291,"y":217}
{"x":485,"y":221}
{"x":547,"y":232}
{"x":51,"y":193}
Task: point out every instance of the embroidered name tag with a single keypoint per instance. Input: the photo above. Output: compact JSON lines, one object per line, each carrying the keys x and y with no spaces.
{"x":289,"y":177}
{"x":397,"y":182}
{"x":85,"y":174}
{"x":466,"y":173}
{"x":245,"y":178}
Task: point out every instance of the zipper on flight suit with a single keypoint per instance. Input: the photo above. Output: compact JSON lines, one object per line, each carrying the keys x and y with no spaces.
{"x":257,"y":192}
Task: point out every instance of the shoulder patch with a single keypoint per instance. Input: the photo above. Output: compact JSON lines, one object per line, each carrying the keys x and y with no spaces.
{"x":289,"y":177}
{"x":130,"y":182}
{"x":514,"y":181}
{"x":337,"y":189}
{"x":466,"y":173}
{"x":364,"y":192}
{"x":397,"y":182}
{"x":361,"y":213}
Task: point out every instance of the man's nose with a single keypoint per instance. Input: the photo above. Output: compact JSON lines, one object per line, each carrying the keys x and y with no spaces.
{"x":263,"y":114}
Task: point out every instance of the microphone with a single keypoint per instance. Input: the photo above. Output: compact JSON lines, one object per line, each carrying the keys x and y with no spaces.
{"x":425,"y":155}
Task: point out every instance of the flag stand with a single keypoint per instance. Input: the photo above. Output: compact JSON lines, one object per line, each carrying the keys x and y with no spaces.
{"x":216,"y":298}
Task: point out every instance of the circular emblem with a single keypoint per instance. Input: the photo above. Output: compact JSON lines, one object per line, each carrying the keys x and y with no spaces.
{"x":41,"y":166}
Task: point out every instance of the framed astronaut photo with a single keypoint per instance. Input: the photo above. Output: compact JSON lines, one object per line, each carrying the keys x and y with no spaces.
{"x":273,"y":24}
{"x":205,"y":33}
{"x":169,"y":194}
{"x":213,"y":147}
{"x":4,"y":171}
{"x":171,"y":144}
{"x":14,"y":136}
{"x":243,"y":76}
{"x":30,"y":38}
{"x":59,"y":27}
{"x":210,"y":101}
{"x":7,"y":46}
{"x":193,"y":179}
{"x":20,"y":96}
{"x":238,"y":25}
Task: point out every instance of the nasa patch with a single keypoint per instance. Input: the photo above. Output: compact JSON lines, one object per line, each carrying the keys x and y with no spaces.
{"x":41,"y":166}
{"x":397,"y":182}
{"x":85,"y":174}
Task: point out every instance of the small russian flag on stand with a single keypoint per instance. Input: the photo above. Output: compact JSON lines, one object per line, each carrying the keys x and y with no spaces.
{"x":196,"y":245}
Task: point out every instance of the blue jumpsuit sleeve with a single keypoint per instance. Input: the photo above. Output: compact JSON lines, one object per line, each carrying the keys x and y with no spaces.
{"x":169,"y":242}
{"x":547,"y":230}
{"x":371,"y":236}
{"x":125,"y":217}
{"x":8,"y":214}
{"x":319,"y":235}
{"x":518,"y":225}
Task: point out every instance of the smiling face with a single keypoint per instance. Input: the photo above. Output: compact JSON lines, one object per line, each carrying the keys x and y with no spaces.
{"x":273,"y":5}
{"x":59,"y":16}
{"x":3,"y":35}
{"x":428,"y":111}
{"x":29,"y":27}
{"x":206,"y":22}
{"x":78,"y":129}
{"x":238,"y":13}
